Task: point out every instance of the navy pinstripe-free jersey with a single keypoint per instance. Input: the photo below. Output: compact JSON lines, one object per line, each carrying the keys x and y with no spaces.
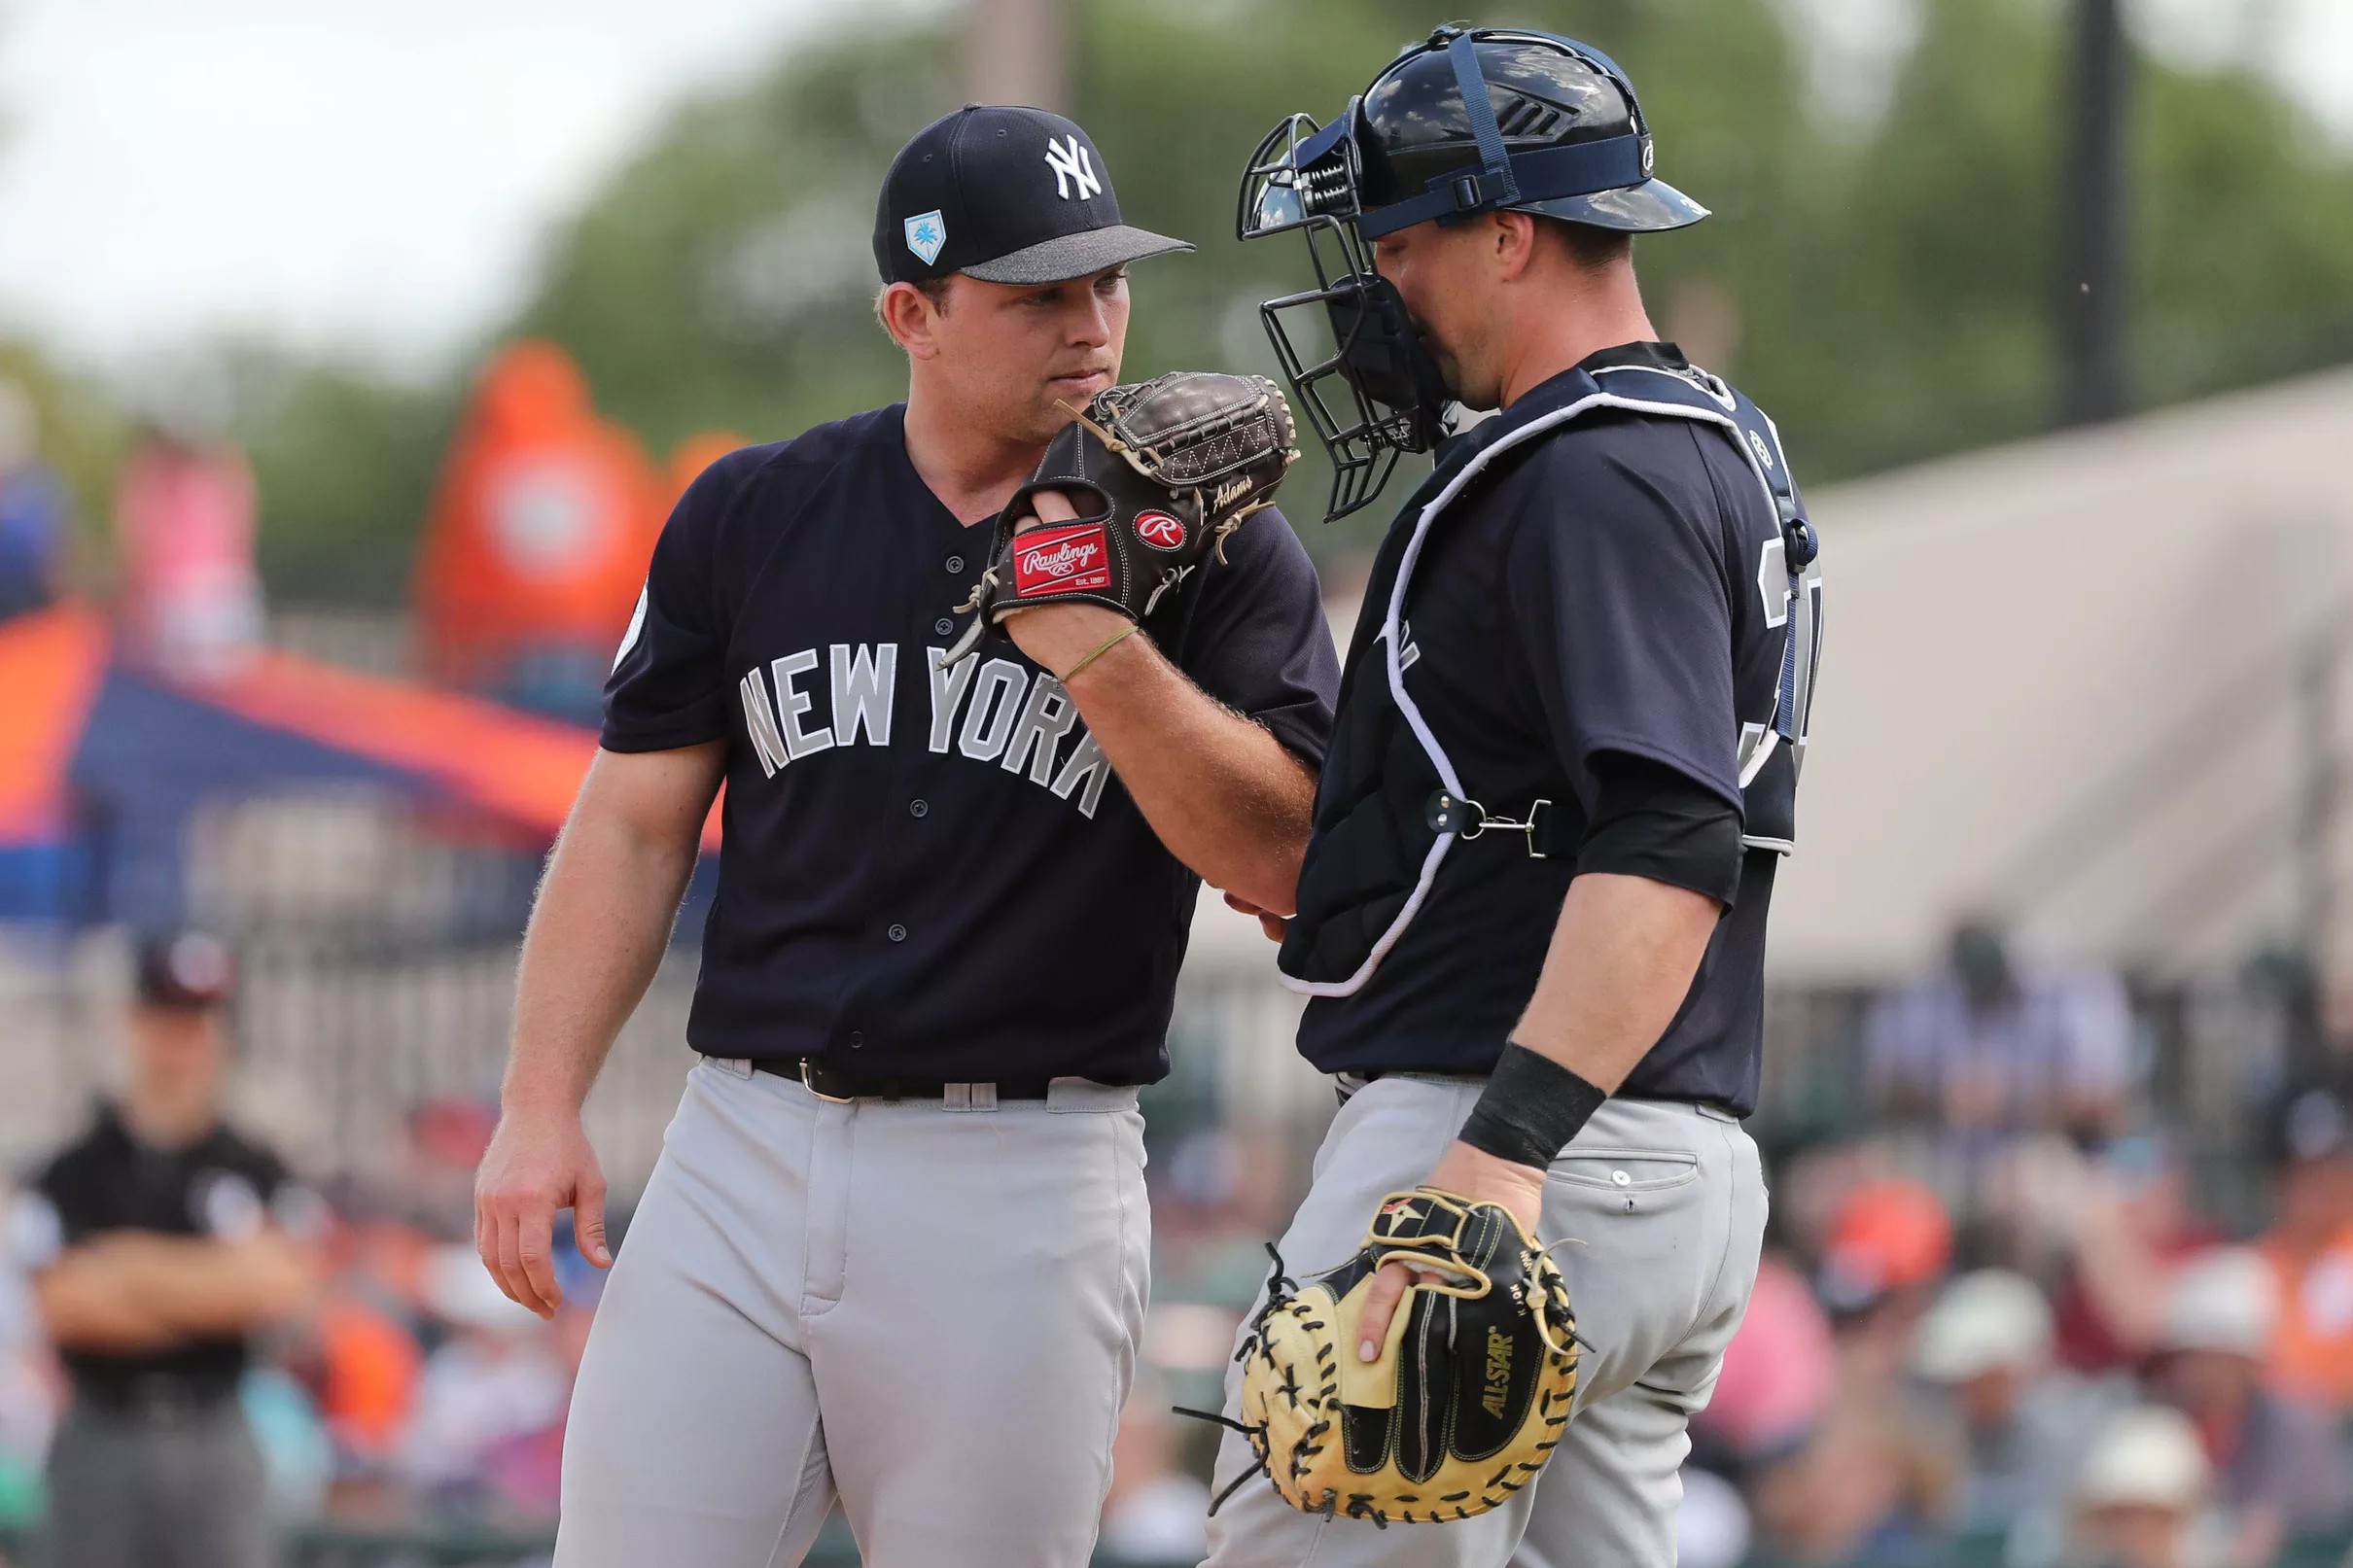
{"x":924,"y":872}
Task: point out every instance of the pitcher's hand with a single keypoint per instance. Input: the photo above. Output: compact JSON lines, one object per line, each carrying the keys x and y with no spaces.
{"x":1273,"y":925}
{"x":538,"y":1161}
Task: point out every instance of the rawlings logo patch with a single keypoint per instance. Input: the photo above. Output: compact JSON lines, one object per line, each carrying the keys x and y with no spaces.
{"x":1062,"y":560}
{"x":1160,"y":531}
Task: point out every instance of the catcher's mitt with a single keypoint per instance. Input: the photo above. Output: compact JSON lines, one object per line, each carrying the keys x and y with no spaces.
{"x":1471,"y":1391}
{"x":1171,"y":465}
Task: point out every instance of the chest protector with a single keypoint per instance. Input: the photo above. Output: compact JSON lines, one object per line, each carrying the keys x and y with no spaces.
{"x":1391,"y":806}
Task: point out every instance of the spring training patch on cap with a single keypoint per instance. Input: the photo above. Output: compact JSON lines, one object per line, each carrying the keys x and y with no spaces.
{"x":926,"y":234}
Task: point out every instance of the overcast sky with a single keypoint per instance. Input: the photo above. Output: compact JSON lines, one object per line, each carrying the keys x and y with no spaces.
{"x":374,"y":175}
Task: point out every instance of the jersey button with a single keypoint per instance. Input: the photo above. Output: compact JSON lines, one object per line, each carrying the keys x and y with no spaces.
{"x":919,"y":808}
{"x":858,"y":1041}
{"x":943,"y":626}
{"x":955,"y":563}
{"x":898,"y":933}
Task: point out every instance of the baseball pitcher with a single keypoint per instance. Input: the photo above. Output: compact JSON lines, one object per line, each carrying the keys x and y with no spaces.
{"x":992,"y":689}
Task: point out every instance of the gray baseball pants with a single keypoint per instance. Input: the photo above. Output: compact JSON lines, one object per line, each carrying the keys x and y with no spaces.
{"x":1664,"y":1206}
{"x":928,"y":1311}
{"x":182,"y":1490}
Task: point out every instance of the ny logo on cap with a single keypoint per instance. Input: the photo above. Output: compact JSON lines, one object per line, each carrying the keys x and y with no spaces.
{"x":1071,"y":165}
{"x":927,"y":232}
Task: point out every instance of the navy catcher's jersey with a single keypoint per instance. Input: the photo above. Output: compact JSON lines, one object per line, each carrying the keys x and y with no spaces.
{"x":1614,"y":585}
{"x":927,"y":873}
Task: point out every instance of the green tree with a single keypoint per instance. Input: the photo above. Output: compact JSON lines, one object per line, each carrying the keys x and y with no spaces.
{"x":1892,"y":285}
{"x":81,"y":438}
{"x":344,"y":463}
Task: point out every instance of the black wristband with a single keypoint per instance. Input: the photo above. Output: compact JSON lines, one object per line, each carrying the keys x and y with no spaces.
{"x":1531,"y":1108}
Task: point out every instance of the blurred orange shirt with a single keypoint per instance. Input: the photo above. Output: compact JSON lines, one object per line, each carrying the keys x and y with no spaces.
{"x":372,"y":1365}
{"x":2312,"y":1347}
{"x":542,"y":525}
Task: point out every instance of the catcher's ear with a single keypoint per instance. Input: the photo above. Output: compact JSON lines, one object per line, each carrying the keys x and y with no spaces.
{"x":910,"y":312}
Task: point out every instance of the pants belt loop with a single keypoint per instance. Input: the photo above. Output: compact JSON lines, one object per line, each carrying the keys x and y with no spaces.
{"x":969,"y":1097}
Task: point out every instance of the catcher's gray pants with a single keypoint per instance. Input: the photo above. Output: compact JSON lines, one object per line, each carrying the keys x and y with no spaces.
{"x":1668,"y":1202}
{"x":930,"y":1313}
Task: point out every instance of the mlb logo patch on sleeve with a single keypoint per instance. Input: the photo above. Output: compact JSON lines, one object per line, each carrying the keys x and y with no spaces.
{"x":1076,"y":559}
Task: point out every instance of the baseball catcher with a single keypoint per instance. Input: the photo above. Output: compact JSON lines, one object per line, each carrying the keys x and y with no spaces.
{"x":1172,"y":467}
{"x":1563,"y":777}
{"x":1467,"y":1396}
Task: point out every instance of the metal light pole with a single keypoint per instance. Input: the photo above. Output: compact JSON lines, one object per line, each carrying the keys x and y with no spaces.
{"x":2094,"y":304}
{"x":1017,"y":52}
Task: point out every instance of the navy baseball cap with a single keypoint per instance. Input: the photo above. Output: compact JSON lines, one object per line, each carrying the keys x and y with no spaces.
{"x":1006,"y":194}
{"x":188,"y":971}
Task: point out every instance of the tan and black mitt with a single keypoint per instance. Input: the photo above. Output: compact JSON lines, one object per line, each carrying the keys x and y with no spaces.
{"x":1161,"y":471}
{"x":1471,"y":1391}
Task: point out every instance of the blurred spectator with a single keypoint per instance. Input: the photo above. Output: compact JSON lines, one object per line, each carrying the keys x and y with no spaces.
{"x":2275,"y":1465}
{"x":1869,"y":1482}
{"x":29,"y":1398}
{"x":159,"y":1243}
{"x":2121,"y":1226}
{"x":2139,"y":1494}
{"x":191,"y":600}
{"x":368,"y":1366}
{"x":1985,"y":1348}
{"x":297,"y":1456}
{"x":445,"y":1141}
{"x":1156,"y":1511}
{"x":2311,"y":1247}
{"x":1993,"y":1044}
{"x":537,"y":540}
{"x":1776,"y":1378}
{"x":492,"y":1387}
{"x":1712,"y":1528}
{"x":32,"y":510}
{"x":1218,"y":1196}
{"x":1890,"y":1242}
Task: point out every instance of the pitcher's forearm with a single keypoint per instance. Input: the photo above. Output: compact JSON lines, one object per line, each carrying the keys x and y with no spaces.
{"x":1226,"y":797}
{"x":597,"y":935}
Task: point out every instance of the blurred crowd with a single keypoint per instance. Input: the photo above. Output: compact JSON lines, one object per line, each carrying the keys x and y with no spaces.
{"x":2011,"y":1318}
{"x":527,"y":568}
{"x":2008,"y":1323}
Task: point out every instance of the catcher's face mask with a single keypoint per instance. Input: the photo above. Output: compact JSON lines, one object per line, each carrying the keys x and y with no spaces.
{"x":1358,"y":366}
{"x":1467,"y":122}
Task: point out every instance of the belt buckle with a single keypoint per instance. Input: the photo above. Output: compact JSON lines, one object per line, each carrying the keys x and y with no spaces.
{"x":810,"y":1085}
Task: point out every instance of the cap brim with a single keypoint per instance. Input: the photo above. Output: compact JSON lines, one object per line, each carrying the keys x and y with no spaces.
{"x":1641,"y":209}
{"x":1075,"y":255}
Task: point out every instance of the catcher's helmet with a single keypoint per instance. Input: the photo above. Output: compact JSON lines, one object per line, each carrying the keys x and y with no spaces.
{"x":1465,"y":122}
